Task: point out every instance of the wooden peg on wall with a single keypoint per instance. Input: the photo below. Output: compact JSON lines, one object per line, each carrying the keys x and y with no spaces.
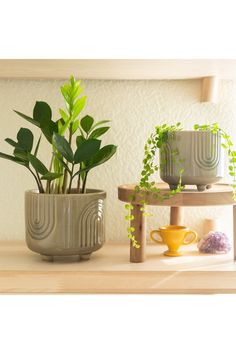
{"x":210,"y":86}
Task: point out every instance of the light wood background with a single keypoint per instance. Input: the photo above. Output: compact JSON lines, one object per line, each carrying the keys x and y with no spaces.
{"x":126,"y":69}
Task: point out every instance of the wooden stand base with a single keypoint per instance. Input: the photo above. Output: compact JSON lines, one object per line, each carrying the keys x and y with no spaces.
{"x":219,"y":194}
{"x":234,"y":230}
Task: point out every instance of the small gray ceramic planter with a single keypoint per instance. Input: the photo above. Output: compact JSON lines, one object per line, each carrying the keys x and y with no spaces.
{"x":65,"y":224}
{"x":198,"y":153}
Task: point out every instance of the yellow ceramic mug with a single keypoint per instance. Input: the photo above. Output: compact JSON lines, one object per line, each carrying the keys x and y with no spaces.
{"x":174,"y":236}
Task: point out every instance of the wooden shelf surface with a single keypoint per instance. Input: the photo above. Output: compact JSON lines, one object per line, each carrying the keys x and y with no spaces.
{"x":118,"y":69}
{"x":219,"y":194}
{"x":109,"y":271}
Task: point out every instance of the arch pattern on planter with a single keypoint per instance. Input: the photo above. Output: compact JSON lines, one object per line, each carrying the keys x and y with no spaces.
{"x":91,"y":225}
{"x":40,"y":217}
{"x":206,"y":150}
{"x":66,"y":213}
{"x":167,"y":165}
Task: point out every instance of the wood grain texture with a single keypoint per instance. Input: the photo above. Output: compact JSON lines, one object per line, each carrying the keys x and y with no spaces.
{"x":210,"y":87}
{"x":234,"y":230}
{"x":109,"y":271}
{"x":176,"y":216}
{"x":219,"y":194}
{"x":126,"y":69}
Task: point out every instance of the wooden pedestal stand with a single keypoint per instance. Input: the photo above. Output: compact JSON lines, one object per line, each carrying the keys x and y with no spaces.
{"x":219,"y":194}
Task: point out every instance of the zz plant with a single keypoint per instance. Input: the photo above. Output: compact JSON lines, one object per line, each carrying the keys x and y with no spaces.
{"x":155,"y":142}
{"x":66,"y":165}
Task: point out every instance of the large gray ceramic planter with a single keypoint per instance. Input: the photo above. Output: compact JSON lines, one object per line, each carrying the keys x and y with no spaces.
{"x":65,"y":224}
{"x":198,"y":153}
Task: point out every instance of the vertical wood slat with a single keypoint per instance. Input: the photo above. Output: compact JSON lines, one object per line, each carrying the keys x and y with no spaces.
{"x":177,"y":216}
{"x":234,"y":230}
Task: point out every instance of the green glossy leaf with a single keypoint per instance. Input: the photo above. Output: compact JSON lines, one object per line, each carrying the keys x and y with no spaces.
{"x":79,"y":140}
{"x":65,"y":90}
{"x":62,"y":128}
{"x":78,"y":106}
{"x":30,"y":120}
{"x":86,"y":123}
{"x":76,"y":92}
{"x":50,"y":176}
{"x":25,"y":139}
{"x":75,"y":126}
{"x":72,"y":80}
{"x":100,"y":123}
{"x":60,"y":124}
{"x":64,"y":115}
{"x":37,"y":164}
{"x":71,"y":90}
{"x":42,"y":112}
{"x":98,"y":132}
{"x":86,"y":150}
{"x":43,"y":115}
{"x":63,"y":147}
{"x":12,"y":158}
{"x":21,"y":154}
{"x":11,"y":142}
{"x":103,"y":155}
{"x":48,"y":129}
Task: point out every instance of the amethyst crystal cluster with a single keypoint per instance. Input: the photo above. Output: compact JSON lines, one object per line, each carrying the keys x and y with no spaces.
{"x":214,"y":242}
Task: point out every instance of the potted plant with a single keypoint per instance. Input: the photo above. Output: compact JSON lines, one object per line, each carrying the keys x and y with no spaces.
{"x":60,"y":218}
{"x":186,"y":157}
{"x":200,"y":155}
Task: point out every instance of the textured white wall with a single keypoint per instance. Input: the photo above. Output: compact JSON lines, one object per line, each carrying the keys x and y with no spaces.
{"x":134,"y":107}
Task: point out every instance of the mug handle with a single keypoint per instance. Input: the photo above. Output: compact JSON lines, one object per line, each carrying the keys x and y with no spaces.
{"x":194,"y":238}
{"x":153,"y":238}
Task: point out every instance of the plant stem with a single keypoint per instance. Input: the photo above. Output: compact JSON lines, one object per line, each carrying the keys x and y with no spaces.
{"x":64,"y":182}
{"x":84,"y":183}
{"x":78,"y":184}
{"x":71,"y":179}
{"x":40,"y":188}
{"x":64,"y":185}
{"x":70,"y":134}
{"x":40,"y":182}
{"x":49,"y":187}
{"x":50,"y":170}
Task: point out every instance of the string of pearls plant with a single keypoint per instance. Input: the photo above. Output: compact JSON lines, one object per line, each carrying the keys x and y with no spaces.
{"x":154,"y":143}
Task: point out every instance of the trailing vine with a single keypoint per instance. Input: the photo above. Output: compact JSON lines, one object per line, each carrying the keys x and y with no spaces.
{"x":155,"y":142}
